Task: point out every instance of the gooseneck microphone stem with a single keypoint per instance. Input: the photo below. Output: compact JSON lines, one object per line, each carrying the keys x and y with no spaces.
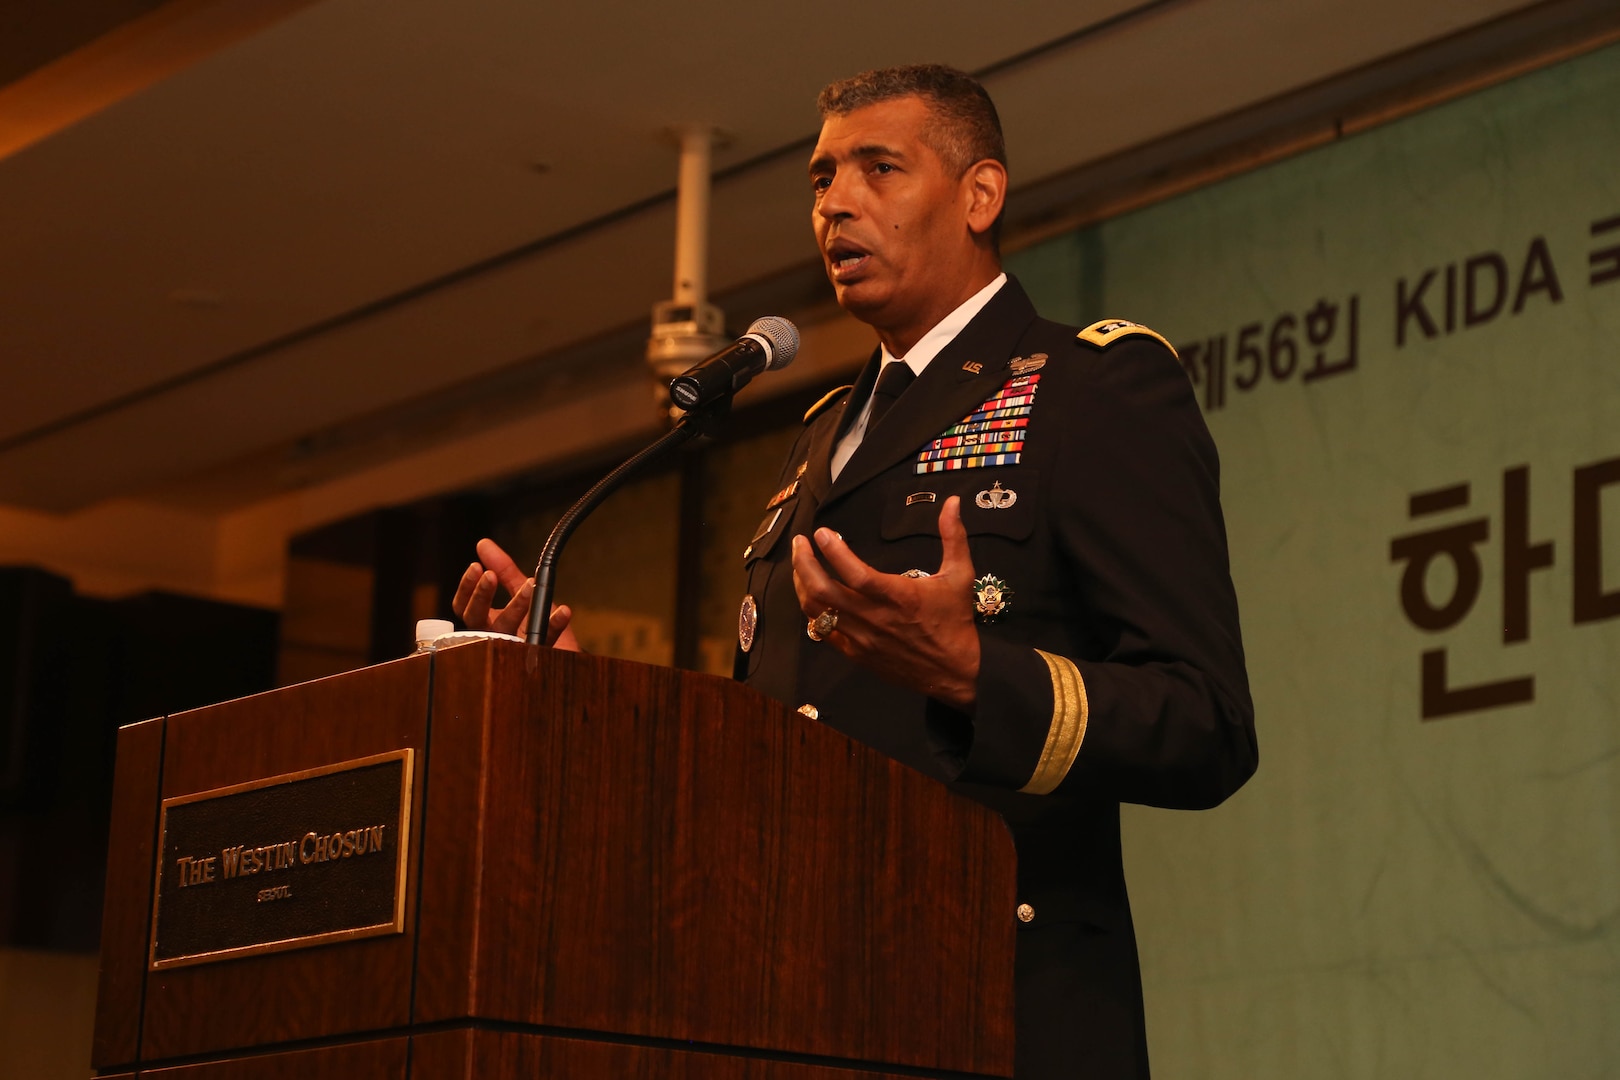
{"x":698,"y":422}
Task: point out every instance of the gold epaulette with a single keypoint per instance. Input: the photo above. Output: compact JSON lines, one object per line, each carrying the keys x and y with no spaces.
{"x":821,"y":406}
{"x":1105,"y":333}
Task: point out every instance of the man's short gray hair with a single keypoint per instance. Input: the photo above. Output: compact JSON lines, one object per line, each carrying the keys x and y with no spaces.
{"x":966,"y":129}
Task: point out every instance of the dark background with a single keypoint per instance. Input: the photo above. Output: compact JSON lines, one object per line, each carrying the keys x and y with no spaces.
{"x":73,"y":669}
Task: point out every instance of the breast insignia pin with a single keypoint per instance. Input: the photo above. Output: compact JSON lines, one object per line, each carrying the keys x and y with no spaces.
{"x":1023,"y":365}
{"x":784,"y":495}
{"x":995,"y":497}
{"x":747,"y":620}
{"x":991,"y":597}
{"x":765,"y":526}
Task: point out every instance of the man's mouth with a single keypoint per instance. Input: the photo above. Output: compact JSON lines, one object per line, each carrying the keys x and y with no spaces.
{"x":846,"y":260}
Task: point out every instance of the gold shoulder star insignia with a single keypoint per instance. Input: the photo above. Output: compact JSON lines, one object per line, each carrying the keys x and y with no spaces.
{"x":1104,"y":333}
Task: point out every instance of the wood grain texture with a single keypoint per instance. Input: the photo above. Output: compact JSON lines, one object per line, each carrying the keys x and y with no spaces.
{"x":617,"y":847}
{"x":377,"y":1059}
{"x":308,"y":993}
{"x":501,"y":1055}
{"x":607,"y":847}
{"x":126,"y":913}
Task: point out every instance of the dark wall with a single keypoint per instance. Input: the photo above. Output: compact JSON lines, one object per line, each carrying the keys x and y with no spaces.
{"x":35,"y":32}
{"x":72,"y":670}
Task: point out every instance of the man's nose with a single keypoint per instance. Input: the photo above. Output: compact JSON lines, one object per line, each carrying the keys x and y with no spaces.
{"x":836,"y":200}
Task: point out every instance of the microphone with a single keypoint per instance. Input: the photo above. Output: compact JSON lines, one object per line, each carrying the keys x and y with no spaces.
{"x":770,"y":343}
{"x":704,"y":391}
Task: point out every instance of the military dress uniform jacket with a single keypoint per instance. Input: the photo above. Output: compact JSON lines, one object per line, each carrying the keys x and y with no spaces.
{"x":1113,"y":674}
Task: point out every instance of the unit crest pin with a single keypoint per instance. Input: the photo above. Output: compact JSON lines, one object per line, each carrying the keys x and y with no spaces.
{"x":991,"y":596}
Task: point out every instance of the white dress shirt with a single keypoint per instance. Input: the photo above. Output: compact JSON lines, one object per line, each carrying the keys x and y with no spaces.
{"x":930,"y":346}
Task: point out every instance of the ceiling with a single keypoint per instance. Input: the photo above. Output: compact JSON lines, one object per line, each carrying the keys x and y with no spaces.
{"x":375,"y":203}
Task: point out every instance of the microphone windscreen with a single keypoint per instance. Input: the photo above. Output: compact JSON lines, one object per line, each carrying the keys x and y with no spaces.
{"x":783,"y":336}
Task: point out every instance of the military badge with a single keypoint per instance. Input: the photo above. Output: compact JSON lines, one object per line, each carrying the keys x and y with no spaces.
{"x":991,"y":597}
{"x":765,"y":526}
{"x":784,"y":495}
{"x":1104,"y":333}
{"x":1027,"y":365}
{"x":832,"y":398}
{"x":791,"y":490}
{"x":973,"y":367}
{"x":995,"y":497}
{"x":992,"y":434}
{"x":747,"y":622}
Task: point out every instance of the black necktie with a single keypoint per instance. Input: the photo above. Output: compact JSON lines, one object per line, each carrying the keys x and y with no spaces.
{"x":891,"y":382}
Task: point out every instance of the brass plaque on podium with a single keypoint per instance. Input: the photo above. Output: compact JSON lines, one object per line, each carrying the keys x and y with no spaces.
{"x":285,"y":862}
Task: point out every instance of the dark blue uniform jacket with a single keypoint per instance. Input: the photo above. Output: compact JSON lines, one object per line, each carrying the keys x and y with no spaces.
{"x":1114,"y":674}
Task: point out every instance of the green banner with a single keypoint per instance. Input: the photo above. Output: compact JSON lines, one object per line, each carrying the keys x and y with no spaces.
{"x":1406,"y":347}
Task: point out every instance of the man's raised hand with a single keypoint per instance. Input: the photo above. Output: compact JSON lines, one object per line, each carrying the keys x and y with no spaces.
{"x":475,"y":595}
{"x":915,"y":632}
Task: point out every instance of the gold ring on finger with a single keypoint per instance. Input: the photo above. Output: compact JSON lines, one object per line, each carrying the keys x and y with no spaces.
{"x":822,"y":625}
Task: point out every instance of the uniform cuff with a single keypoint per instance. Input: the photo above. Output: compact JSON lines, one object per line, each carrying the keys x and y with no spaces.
{"x":1027,"y":724}
{"x":1067,"y":729}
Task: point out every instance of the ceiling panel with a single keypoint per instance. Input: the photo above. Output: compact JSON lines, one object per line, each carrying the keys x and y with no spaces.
{"x":364,"y":146}
{"x":363,"y":149}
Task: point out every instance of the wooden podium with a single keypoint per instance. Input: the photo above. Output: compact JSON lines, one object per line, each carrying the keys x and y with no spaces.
{"x":608,"y":870}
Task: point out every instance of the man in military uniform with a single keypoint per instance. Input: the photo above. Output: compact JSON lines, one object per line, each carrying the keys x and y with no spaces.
{"x":999,"y":557}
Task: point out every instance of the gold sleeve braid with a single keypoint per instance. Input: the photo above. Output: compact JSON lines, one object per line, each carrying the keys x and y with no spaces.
{"x":1068,"y":728}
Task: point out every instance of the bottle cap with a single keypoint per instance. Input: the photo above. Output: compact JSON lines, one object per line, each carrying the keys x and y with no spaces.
{"x":430,"y":630}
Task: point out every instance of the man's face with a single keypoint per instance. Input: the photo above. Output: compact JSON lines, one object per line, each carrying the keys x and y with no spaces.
{"x":889,"y":216}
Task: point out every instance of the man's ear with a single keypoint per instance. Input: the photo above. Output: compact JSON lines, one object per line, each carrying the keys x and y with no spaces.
{"x":987,"y":192}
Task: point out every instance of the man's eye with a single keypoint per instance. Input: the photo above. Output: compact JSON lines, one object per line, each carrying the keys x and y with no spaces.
{"x":820,"y":183}
{"x":883,"y":167}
